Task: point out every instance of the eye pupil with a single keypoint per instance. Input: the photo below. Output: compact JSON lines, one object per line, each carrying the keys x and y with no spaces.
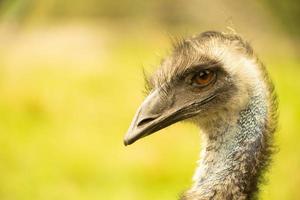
{"x":204,"y":75}
{"x":203,"y":78}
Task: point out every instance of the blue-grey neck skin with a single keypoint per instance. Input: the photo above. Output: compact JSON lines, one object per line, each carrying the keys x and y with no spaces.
{"x":232,"y":155}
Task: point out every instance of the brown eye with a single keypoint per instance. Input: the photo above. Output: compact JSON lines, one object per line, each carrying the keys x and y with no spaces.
{"x":203,"y":78}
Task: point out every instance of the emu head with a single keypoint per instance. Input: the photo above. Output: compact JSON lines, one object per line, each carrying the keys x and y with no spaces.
{"x":206,"y":79}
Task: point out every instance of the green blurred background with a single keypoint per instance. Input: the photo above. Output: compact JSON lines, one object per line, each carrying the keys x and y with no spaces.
{"x":71,"y":80}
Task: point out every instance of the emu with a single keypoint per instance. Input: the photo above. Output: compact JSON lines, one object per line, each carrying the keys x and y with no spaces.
{"x":215,"y":81}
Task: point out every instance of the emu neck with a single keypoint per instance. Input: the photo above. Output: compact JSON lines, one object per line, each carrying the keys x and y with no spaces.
{"x":233,"y":156}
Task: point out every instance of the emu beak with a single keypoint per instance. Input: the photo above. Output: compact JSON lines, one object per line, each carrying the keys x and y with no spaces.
{"x":150,"y":117}
{"x":156,"y":113}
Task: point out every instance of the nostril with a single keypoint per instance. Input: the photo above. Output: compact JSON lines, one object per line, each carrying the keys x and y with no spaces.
{"x":146,"y":120}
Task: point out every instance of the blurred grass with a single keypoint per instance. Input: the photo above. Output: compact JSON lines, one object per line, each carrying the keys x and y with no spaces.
{"x":68,"y":94}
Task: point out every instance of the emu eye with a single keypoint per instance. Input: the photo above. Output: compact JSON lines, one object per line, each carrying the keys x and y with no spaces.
{"x":203,"y":78}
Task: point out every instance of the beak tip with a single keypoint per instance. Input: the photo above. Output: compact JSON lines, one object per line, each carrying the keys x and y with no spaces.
{"x":127,"y":141}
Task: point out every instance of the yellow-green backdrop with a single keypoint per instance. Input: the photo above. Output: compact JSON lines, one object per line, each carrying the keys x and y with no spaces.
{"x":71,"y":79}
